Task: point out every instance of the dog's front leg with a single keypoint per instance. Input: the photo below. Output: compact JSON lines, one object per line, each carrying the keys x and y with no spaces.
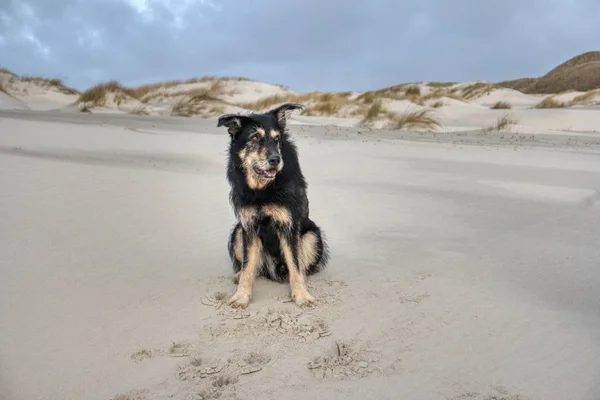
{"x":289,"y":247}
{"x":252,"y":248}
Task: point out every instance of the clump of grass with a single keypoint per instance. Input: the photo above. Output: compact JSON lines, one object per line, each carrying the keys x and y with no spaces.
{"x":415,"y":119}
{"x":501,"y":105}
{"x":3,"y":89}
{"x":327,"y":104}
{"x":502,"y":123}
{"x":201,"y":104}
{"x":413,"y":90}
{"x":551,"y":102}
{"x":96,"y":96}
{"x":518,"y":84}
{"x":436,"y":85}
{"x":141,"y":91}
{"x":411,"y":93}
{"x":476,"y":90}
{"x":367,"y":97}
{"x":323,"y":108}
{"x":587,"y":96}
{"x":321,"y":103}
{"x":146,"y":92}
{"x":47,"y":82}
{"x":373,"y":112}
{"x":505,"y":121}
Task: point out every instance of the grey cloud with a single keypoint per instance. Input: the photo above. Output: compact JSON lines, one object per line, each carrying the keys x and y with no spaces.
{"x":309,"y":45}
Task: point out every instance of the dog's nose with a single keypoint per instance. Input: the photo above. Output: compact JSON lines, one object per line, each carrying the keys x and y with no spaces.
{"x":274,"y":159}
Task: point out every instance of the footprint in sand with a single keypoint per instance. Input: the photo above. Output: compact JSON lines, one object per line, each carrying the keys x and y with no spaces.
{"x":290,"y":323}
{"x":132,"y":395}
{"x":218,"y":377}
{"x":496,"y":393}
{"x":343,"y":363}
{"x":141,"y":355}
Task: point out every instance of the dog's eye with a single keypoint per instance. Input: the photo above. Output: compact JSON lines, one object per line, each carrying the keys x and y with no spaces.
{"x":276,"y":138}
{"x":255,"y":139}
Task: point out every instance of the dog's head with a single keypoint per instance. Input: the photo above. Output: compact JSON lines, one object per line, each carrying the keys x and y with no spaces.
{"x":257,"y":140}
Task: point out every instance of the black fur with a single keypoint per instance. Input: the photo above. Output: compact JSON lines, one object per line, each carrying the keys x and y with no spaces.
{"x":288,"y":189}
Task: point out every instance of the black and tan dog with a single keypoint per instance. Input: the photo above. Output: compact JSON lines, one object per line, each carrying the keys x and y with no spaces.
{"x":274,"y":236}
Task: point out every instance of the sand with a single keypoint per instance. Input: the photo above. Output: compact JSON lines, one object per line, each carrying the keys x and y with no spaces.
{"x":8,"y":102}
{"x":464,"y":265}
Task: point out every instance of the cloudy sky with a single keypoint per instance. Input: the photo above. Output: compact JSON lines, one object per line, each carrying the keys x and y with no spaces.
{"x":307,"y":45}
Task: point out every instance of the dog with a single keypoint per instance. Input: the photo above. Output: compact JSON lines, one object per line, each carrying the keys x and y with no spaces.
{"x":274,"y":236}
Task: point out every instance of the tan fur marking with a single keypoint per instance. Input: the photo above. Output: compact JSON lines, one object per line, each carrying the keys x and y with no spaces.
{"x":278,"y":213}
{"x":298,"y":285}
{"x":260,"y":132}
{"x":247,"y":216}
{"x":242,"y":296}
{"x":273,"y":133}
{"x":308,"y":250}
{"x":254,"y":181}
{"x":237,"y":245}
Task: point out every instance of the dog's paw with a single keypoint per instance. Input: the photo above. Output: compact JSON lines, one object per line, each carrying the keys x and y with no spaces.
{"x":239,"y":300}
{"x":303,"y":299}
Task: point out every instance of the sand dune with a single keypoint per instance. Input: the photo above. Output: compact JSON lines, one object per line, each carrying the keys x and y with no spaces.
{"x":7,"y":102}
{"x":420,"y":106}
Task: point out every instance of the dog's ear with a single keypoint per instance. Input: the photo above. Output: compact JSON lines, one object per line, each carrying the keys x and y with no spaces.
{"x":284,"y":111}
{"x":233,"y":122}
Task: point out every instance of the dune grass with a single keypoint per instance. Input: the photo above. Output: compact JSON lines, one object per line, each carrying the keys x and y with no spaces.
{"x":587,"y":96}
{"x":50,"y":82}
{"x":502,"y":123}
{"x":3,"y":89}
{"x":372,"y":112}
{"x":413,"y":90}
{"x":440,"y":85}
{"x":144,"y":93}
{"x":520,"y":84}
{"x":201,"y":104}
{"x":96,"y":96}
{"x":411,"y":93}
{"x":475,"y":90}
{"x":551,"y":102}
{"x":415,"y":119}
{"x":319,"y":103}
{"x":505,"y":121}
{"x":501,"y":105}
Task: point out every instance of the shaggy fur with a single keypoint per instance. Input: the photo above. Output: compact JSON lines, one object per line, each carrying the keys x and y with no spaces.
{"x":274,"y":236}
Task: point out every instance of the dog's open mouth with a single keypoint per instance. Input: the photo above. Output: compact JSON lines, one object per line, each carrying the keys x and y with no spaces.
{"x":266,"y":173}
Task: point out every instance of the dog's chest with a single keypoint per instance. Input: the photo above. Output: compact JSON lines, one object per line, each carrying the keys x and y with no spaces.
{"x":254,"y":216}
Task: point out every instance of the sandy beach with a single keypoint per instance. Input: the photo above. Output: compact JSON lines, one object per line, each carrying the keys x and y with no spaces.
{"x":464,"y":265}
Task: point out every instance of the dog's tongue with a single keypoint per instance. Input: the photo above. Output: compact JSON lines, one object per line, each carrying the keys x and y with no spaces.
{"x":271,"y":173}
